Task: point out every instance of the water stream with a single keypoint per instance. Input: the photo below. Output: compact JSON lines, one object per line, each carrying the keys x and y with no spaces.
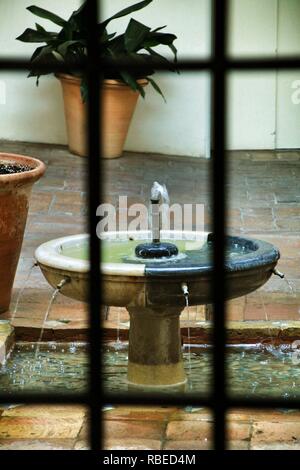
{"x":118,"y":344}
{"x":290,"y":286}
{"x":265,"y":313}
{"x":189,"y":332}
{"x":52,"y":300}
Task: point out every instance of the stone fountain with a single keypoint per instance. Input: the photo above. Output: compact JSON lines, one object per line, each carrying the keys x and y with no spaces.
{"x":152,"y":273}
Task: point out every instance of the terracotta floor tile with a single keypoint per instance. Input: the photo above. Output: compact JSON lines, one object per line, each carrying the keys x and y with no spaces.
{"x":238,"y":445}
{"x":33,"y":444}
{"x":189,"y":430}
{"x":269,"y":432}
{"x":139,"y":414}
{"x":134,"y":429}
{"x":238,"y":431}
{"x":132,"y":444}
{"x":39,"y":428}
{"x":274,"y":446}
{"x":188,"y":445}
{"x":198,"y":415}
{"x":82,"y":444}
{"x":47,"y":411}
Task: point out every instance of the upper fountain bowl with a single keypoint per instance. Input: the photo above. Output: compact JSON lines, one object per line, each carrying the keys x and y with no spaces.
{"x":132,"y":281}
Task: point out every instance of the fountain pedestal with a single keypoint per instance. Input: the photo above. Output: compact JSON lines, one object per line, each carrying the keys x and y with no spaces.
{"x":155,"y":355}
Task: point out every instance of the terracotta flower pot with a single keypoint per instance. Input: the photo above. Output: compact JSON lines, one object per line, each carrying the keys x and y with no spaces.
{"x":15,"y":191}
{"x":118,"y":105}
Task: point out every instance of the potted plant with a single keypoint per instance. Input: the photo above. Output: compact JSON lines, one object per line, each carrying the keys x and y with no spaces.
{"x":17,"y":175}
{"x":120,"y":89}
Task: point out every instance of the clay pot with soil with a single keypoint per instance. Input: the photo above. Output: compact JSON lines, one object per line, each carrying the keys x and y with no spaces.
{"x":18,"y":173}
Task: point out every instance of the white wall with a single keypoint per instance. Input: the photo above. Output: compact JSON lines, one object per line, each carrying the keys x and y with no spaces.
{"x":261,"y":113}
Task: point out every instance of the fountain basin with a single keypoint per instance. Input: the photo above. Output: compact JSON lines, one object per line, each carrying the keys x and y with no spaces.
{"x":152,"y":290}
{"x":139,"y":284}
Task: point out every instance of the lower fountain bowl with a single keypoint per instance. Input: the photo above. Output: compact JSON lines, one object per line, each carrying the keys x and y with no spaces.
{"x":152,"y":291}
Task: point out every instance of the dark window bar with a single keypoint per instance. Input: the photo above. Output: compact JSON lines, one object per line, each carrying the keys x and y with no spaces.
{"x":219,"y":65}
{"x":94,"y":182}
{"x":218,"y":175}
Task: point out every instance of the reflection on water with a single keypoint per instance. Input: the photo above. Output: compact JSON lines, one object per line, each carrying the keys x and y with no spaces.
{"x":252,"y":371}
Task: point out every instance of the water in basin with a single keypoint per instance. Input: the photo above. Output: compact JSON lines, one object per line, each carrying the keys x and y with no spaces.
{"x":252,"y":371}
{"x":119,"y":251}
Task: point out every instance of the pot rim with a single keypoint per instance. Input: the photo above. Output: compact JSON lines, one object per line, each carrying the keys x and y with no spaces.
{"x":107,"y":81}
{"x":25,"y":177}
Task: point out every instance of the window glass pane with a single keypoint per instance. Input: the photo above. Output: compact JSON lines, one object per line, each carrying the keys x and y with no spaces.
{"x":50,"y":326}
{"x":262,"y":29}
{"x":263,"y":204}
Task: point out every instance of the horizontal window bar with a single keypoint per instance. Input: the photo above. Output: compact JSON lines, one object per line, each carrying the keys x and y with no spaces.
{"x":123,"y":399}
{"x":182,"y":65}
{"x":138,"y":399}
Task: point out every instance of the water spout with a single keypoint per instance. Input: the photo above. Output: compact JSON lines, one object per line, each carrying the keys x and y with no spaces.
{"x":278,"y":273}
{"x":288,"y":283}
{"x":158,"y":193}
{"x":185,"y":290}
{"x":157,"y":249}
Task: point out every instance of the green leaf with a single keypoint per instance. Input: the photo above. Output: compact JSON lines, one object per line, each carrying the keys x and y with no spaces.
{"x":45,"y":55}
{"x":155,"y":39}
{"x":105,"y":37}
{"x":58,"y":56}
{"x":131,"y":81}
{"x":39,"y":28}
{"x":42,"y":13}
{"x":174,"y":50}
{"x":159,"y":28}
{"x":41,"y":52}
{"x":134,"y":35}
{"x":160,"y":58}
{"x":63,"y":48}
{"x":37,"y":52}
{"x":127,"y":11}
{"x":84,"y":89}
{"x":77,"y":20}
{"x":156,"y":88}
{"x":31,"y":35}
{"x":117,"y":44}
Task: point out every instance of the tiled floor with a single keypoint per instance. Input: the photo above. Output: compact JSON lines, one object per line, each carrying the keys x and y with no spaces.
{"x":36,"y":427}
{"x":263,"y":200}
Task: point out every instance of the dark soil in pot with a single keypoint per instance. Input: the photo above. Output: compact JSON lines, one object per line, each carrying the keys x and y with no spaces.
{"x":10,"y":168}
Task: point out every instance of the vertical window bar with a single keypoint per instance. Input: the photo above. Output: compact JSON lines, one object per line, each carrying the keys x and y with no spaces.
{"x":219,"y":67}
{"x":218,"y":182}
{"x":94,"y":182}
